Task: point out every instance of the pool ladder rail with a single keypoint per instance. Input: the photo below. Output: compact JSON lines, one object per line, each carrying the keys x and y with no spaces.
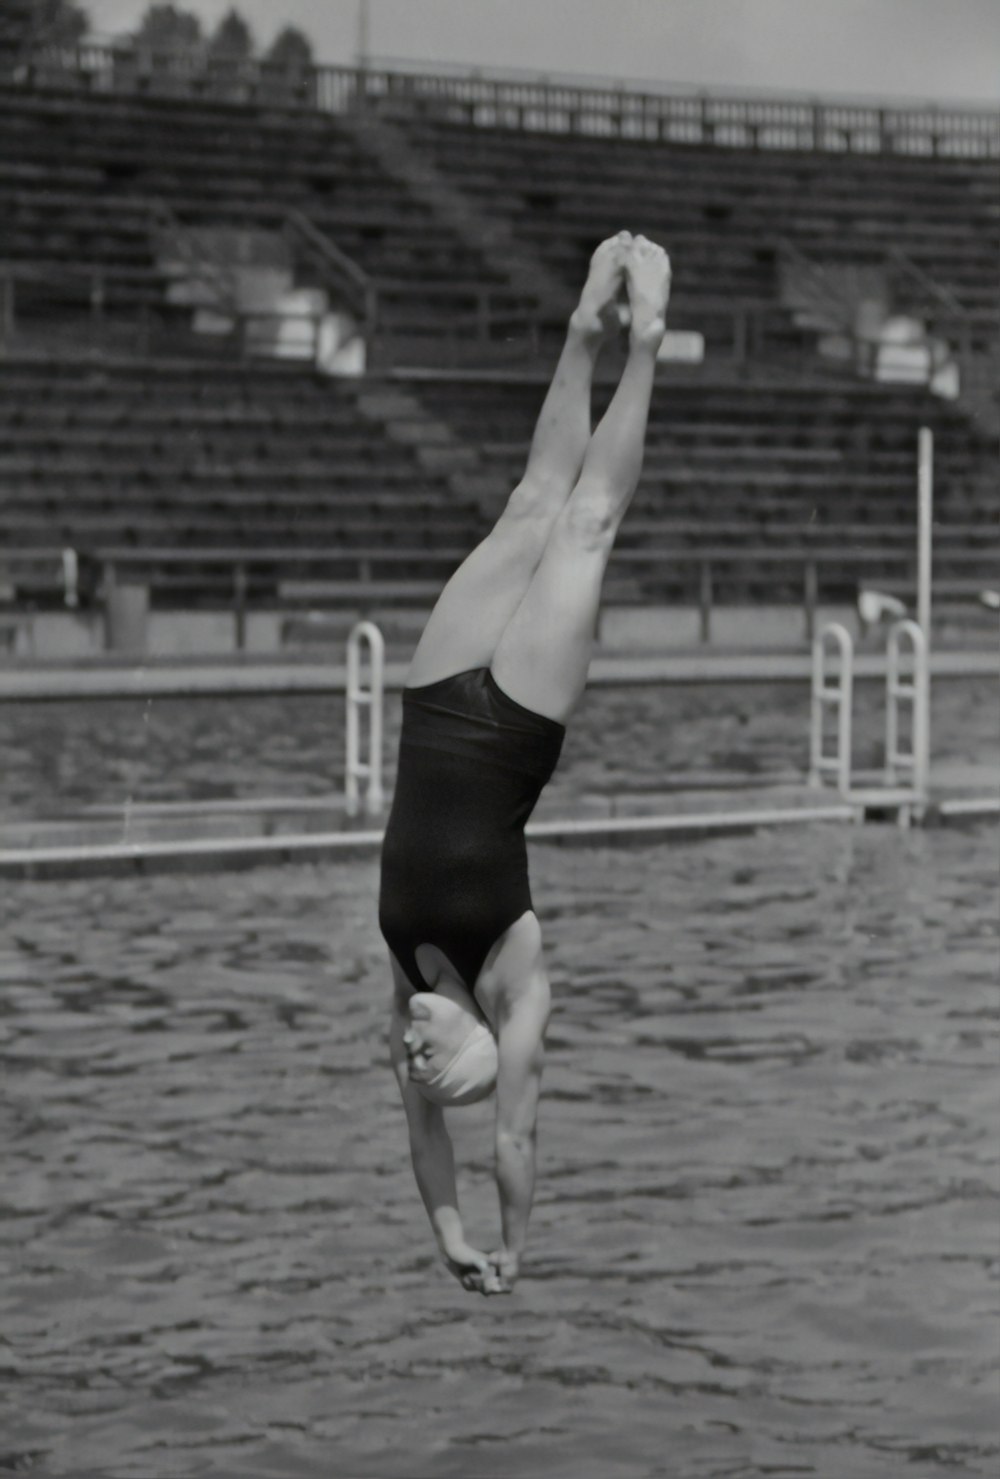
{"x":363,"y":787}
{"x":904,"y":791}
{"x":254,"y":830}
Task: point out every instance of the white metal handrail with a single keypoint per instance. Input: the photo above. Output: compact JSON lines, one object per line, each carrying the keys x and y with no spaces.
{"x":838,"y":696}
{"x":359,"y":697}
{"x":913,"y":762}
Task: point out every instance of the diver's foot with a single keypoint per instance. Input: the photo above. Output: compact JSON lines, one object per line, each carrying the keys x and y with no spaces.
{"x":597,"y":313}
{"x":647,"y":278}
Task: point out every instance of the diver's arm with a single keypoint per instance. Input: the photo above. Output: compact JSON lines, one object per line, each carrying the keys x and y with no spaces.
{"x":434,"y":1169}
{"x":520,"y":1035}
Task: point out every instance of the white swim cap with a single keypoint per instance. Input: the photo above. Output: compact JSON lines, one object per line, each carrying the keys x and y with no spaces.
{"x":470,"y":1076}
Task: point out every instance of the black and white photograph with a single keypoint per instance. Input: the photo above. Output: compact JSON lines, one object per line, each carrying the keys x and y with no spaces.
{"x":500,"y":739}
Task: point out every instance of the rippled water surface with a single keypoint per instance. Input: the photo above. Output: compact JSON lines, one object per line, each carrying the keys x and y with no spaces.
{"x":57,"y":756}
{"x":765,"y":1234}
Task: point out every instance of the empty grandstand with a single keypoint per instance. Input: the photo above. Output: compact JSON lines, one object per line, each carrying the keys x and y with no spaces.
{"x":278,"y":338}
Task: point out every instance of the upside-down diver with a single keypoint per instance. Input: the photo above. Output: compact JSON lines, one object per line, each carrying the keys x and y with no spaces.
{"x":498,"y":671}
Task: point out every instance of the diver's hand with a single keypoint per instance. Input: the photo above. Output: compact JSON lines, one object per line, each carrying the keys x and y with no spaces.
{"x":505,"y":1266}
{"x":472,"y":1269}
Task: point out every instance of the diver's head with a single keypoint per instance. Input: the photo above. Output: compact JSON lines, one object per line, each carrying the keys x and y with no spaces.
{"x":452,"y":1052}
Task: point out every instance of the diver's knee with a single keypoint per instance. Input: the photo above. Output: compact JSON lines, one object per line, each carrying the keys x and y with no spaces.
{"x":537,"y":498}
{"x":590,"y":518}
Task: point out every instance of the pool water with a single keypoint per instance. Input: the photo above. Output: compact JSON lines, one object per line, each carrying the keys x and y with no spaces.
{"x":765,"y":1231}
{"x":57,"y":757}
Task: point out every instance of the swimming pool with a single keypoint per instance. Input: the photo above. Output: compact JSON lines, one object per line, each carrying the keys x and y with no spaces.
{"x":764,"y":1239}
{"x":59,"y":756}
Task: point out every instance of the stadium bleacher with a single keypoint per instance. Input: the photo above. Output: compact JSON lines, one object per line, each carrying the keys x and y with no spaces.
{"x":167,"y":455}
{"x":724,"y":209}
{"x":161,"y":445}
{"x":766,"y":466}
{"x":81,"y":180}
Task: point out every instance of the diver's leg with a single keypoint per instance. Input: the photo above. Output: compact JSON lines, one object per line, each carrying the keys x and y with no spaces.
{"x":481,"y":597}
{"x":543,"y":655}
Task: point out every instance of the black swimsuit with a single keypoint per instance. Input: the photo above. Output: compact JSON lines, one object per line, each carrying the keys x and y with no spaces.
{"x":472,"y":764}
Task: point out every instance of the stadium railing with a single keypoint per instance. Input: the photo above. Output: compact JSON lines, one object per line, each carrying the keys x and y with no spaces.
{"x":106,"y":307}
{"x":669,"y":115}
{"x":245,"y":578}
{"x":442,"y":324}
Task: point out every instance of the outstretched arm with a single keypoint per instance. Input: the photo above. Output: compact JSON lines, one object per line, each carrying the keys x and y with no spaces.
{"x":434,"y":1169}
{"x":520,"y":1035}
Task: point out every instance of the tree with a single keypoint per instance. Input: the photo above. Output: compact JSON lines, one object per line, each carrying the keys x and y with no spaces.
{"x":56,"y":22}
{"x":27,"y":25}
{"x":232,"y":39}
{"x":169,"y":28}
{"x":291,"y":50}
{"x":16,"y":21}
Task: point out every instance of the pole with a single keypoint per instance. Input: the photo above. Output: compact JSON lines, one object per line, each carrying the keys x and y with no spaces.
{"x":925,"y":513}
{"x":240,"y":603}
{"x":925,"y":534}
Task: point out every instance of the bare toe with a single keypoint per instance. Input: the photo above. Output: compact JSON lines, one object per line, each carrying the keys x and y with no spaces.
{"x":597,"y":312}
{"x":614,"y":248}
{"x":648,"y":281}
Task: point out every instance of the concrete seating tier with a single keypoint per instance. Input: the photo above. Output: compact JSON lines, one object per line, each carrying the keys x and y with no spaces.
{"x":842,"y":458}
{"x":148,"y":456}
{"x":78,"y":173}
{"x":723,"y":211}
{"x":145,"y":453}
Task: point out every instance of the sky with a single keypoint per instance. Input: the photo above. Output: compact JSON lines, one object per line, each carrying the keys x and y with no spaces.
{"x":935,"y":50}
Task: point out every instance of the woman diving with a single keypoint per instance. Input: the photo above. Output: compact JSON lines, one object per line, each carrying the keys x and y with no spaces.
{"x":495,"y":677}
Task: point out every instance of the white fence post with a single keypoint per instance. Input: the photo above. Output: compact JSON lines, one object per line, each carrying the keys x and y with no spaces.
{"x":366,"y":633}
{"x":839,"y":696}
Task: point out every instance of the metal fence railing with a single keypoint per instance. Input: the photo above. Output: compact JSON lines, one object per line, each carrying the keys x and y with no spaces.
{"x":704,"y":117}
{"x":364,"y":579}
{"x":92,"y":306}
{"x":531,"y":104}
